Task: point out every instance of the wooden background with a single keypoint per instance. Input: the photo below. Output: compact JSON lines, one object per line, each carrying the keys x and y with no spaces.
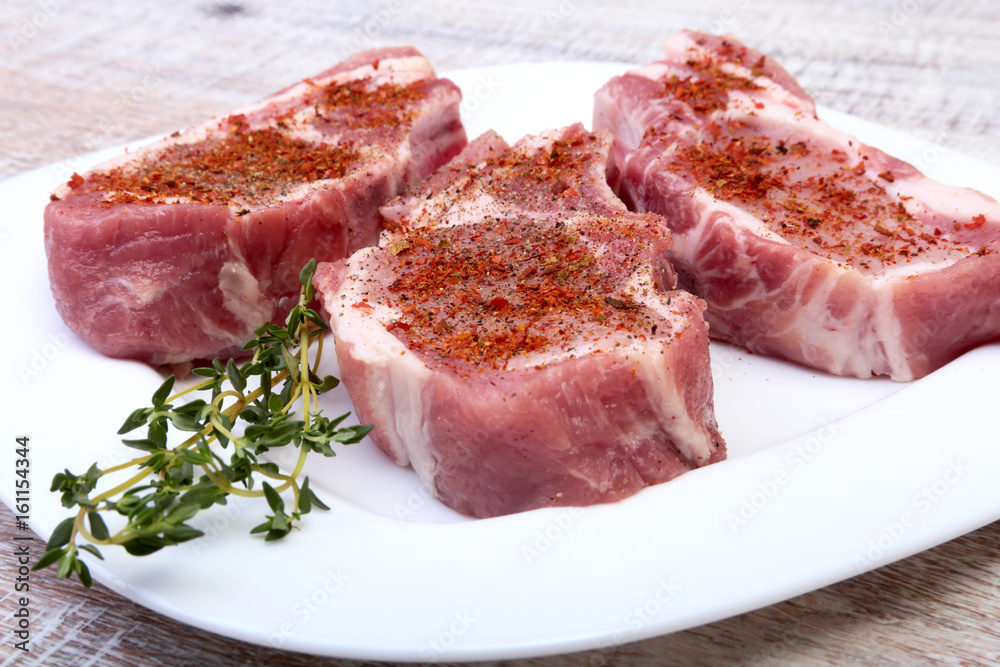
{"x":78,"y":76}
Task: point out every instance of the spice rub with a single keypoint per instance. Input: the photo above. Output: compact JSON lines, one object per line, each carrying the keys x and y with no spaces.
{"x":517,"y":336}
{"x":178,"y":251}
{"x":807,"y":244}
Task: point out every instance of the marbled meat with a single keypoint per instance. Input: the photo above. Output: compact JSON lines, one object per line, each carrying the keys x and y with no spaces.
{"x":180,"y":250}
{"x":516,"y":336}
{"x":807,"y":244}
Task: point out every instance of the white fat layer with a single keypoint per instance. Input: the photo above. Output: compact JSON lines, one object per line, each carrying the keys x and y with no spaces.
{"x":886,"y":340}
{"x":397,"y":378}
{"x":948,"y":201}
{"x":400,"y":70}
{"x":864,"y":339}
{"x":241,"y":294}
{"x":142,"y":290}
{"x":658,"y":380}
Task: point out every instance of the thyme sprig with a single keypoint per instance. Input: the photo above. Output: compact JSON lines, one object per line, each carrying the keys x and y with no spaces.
{"x":166,"y":490}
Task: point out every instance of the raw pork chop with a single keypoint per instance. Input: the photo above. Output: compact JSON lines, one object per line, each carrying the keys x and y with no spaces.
{"x":806,"y":244}
{"x":517,"y":338}
{"x":180,"y":250}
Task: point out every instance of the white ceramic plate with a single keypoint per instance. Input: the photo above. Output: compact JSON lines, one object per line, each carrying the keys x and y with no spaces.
{"x":827,"y":477}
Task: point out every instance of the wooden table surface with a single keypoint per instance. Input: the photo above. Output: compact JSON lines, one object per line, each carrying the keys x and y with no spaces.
{"x":78,"y":76}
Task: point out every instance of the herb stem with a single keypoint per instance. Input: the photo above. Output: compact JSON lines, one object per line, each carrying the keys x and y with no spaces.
{"x":195,"y":387}
{"x":128,"y":464}
{"x":157,"y":510}
{"x":82,"y":530}
{"x":224,"y":484}
{"x":303,"y":452}
{"x":124,"y":486}
{"x":319,"y":353}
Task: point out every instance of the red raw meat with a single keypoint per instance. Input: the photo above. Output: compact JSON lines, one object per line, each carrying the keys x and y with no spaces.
{"x":180,"y":250}
{"x":807,"y":244}
{"x":517,"y":338}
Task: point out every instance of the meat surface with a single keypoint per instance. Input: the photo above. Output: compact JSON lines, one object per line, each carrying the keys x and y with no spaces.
{"x":516,"y":335}
{"x":179,"y":251}
{"x":807,"y":244}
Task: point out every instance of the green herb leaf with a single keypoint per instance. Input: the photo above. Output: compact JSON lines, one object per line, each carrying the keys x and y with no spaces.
{"x":307,"y":498}
{"x":329,"y":382}
{"x":135,"y":420}
{"x":157,"y":432}
{"x":144,"y":546}
{"x":279,"y":522}
{"x":83,"y":572}
{"x":352,"y":434}
{"x":183,"y":422}
{"x":182,"y":512}
{"x":273,"y":499}
{"x":50,"y":557}
{"x":145,"y":444}
{"x":269,"y":467}
{"x":235,"y":377}
{"x":173,"y":482}
{"x":60,"y":536}
{"x":313,"y":316}
{"x":305,"y":278}
{"x":66,"y":564}
{"x":97,"y":526}
{"x":90,"y":548}
{"x":294,"y":319}
{"x":161,"y":394}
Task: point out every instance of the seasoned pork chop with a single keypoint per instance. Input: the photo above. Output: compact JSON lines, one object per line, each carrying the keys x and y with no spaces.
{"x":180,"y":250}
{"x":517,"y":338}
{"x":807,"y":244}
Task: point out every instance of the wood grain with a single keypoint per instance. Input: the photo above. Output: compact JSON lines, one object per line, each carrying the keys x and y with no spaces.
{"x":75,"y":77}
